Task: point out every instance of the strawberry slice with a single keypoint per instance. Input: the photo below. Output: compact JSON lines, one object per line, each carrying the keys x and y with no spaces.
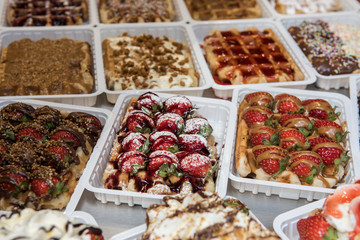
{"x":193,"y":143}
{"x":160,"y":157}
{"x":198,"y":125}
{"x":63,"y":151}
{"x":150,"y":101}
{"x":17,"y":113}
{"x":317,"y":140}
{"x":256,"y":115}
{"x":196,"y":164}
{"x":259,"y":99}
{"x":132,"y":141}
{"x":13,"y":179}
{"x":138,"y":121}
{"x":285,"y":103}
{"x":41,"y":187}
{"x":318,"y":108}
{"x":272,"y":159}
{"x":66,"y":136}
{"x":259,"y":135}
{"x":89,"y":123}
{"x":257,"y":150}
{"x":95,"y":236}
{"x":127,"y":160}
{"x":180,"y":105}
{"x":292,"y":139}
{"x":315,"y":228}
{"x":170,"y":122}
{"x":329,"y":129}
{"x":31,"y":132}
{"x":270,"y":166}
{"x":305,"y":164}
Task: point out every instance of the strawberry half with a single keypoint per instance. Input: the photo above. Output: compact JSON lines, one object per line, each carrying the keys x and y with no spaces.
{"x":13,"y":179}
{"x":259,"y":99}
{"x":294,"y":121}
{"x":196,"y":164}
{"x":260,"y":135}
{"x":329,"y":129}
{"x":286,"y":103}
{"x":138,"y":121}
{"x":31,"y":132}
{"x":318,"y":108}
{"x":305,"y":163}
{"x":193,"y":143}
{"x":150,"y":101}
{"x":132,"y":141}
{"x":198,"y":125}
{"x":160,"y":157}
{"x":315,"y":228}
{"x":270,"y":166}
{"x":170,"y":122}
{"x":292,"y":139}
{"x":270,"y":158}
{"x":66,"y":136}
{"x":125,"y":161}
{"x":41,"y":187}
{"x":256,"y":115}
{"x":178,"y":104}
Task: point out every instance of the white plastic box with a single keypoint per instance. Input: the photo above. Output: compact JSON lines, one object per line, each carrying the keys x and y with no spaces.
{"x":201,"y":30}
{"x":83,"y":34}
{"x":176,"y":31}
{"x":221,"y":116}
{"x":354,"y":97}
{"x":324,"y":82}
{"x":294,"y":191}
{"x":102,"y":114}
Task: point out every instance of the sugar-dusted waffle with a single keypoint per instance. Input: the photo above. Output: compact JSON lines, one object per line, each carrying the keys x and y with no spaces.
{"x":249,"y":56}
{"x":47,"y":12}
{"x":305,"y":6}
{"x":224,"y":9}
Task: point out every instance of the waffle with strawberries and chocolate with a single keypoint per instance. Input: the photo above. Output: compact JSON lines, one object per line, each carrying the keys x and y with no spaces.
{"x":285,"y":139}
{"x":43,"y":152}
{"x":162,"y":147}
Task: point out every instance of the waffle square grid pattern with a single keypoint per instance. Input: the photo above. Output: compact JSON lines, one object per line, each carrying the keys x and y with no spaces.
{"x":249,"y":56}
{"x":47,"y":12}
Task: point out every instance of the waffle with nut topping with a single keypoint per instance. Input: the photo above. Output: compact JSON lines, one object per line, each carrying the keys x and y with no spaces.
{"x":305,"y":6}
{"x":147,"y":62}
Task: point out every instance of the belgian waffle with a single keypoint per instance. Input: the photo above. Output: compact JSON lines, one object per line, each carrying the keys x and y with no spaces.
{"x":47,"y":12}
{"x":305,"y":6}
{"x":249,"y":56}
{"x":46,"y":67}
{"x":146,"y":62}
{"x":128,"y":11}
{"x":224,"y":9}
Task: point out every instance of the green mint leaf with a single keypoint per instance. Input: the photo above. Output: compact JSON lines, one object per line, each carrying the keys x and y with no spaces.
{"x":205,"y":130}
{"x":245,"y":211}
{"x":266,"y":142}
{"x":304,"y":131}
{"x":275,"y":138}
{"x":136,"y":169}
{"x":10,"y":135}
{"x":67,"y":160}
{"x":50,"y":125}
{"x":173,"y":149}
{"x":310,"y":178}
{"x":227,"y":203}
{"x":146,"y":111}
{"x":212,"y":171}
{"x":166,"y":171}
{"x":145,"y":148}
{"x":283,"y":165}
{"x":59,"y":188}
{"x":25,"y":119}
{"x":143,"y":129}
{"x":43,"y":139}
{"x":331,"y":234}
{"x":270,"y":105}
{"x":311,"y":124}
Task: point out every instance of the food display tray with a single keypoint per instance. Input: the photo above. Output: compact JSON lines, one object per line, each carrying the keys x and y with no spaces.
{"x":102,"y":114}
{"x":83,"y":34}
{"x":285,"y":224}
{"x":220,"y":114}
{"x":294,"y":191}
{"x":92,"y":18}
{"x":179,"y":32}
{"x":324,"y":82}
{"x":354,"y":89}
{"x":200,"y":30}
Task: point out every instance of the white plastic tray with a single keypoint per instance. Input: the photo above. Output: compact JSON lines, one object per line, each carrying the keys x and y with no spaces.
{"x":102,"y":114}
{"x":200,"y":30}
{"x":354,"y":95}
{"x":221,"y":116}
{"x":176,"y":31}
{"x":285,"y":224}
{"x":294,"y":191}
{"x":324,"y":82}
{"x":4,"y":11}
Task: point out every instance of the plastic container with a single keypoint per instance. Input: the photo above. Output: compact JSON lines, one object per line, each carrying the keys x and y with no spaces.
{"x":175,"y":31}
{"x":354,"y":97}
{"x":221,"y":116}
{"x":324,"y":82}
{"x":200,"y":30}
{"x":83,"y":34}
{"x":294,"y":191}
{"x":102,"y":114}
{"x":90,"y":21}
{"x":285,"y":224}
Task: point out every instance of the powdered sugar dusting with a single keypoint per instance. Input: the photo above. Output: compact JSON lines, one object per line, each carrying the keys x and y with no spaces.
{"x":168,"y":154}
{"x":135,"y":138}
{"x":147,"y":99}
{"x":192,"y":138}
{"x":173,"y":117}
{"x":193,"y":125}
{"x":177,"y":100}
{"x":155,"y":135}
{"x":194,"y":160}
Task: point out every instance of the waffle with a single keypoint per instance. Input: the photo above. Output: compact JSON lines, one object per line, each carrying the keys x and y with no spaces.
{"x":132,"y":11}
{"x":47,"y":12}
{"x":46,"y":67}
{"x":146,"y":62}
{"x":205,"y":10}
{"x":305,"y":6}
{"x":249,"y":56}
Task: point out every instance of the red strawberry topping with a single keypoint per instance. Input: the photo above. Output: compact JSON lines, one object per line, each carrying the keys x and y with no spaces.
{"x":148,"y":100}
{"x":169,"y":136}
{"x":10,"y":180}
{"x":301,"y":162}
{"x":196,"y":164}
{"x":170,"y":122}
{"x":256,"y":115}
{"x":257,"y":134}
{"x":197,"y":125}
{"x":315,"y":141}
{"x":286,"y":103}
{"x":132,"y":141}
{"x":274,"y":149}
{"x":31,"y":132}
{"x":270,"y":166}
{"x":158,"y":158}
{"x":127,"y":159}
{"x":68,"y":137}
{"x":329,"y":154}
{"x":41,"y":187}
{"x":290,"y":137}
{"x":60,"y":151}
{"x":313,"y":228}
{"x":259,"y":98}
{"x":317,"y":108}
{"x":327,"y":128}
{"x":294,"y":120}
{"x":138,"y":121}
{"x":193,"y":142}
{"x":94,"y":236}
{"x":178,"y":104}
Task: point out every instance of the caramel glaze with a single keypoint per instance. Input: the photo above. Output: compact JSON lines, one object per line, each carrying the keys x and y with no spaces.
{"x":288,"y":99}
{"x":297,"y":123}
{"x":319,"y":105}
{"x":261,"y":100}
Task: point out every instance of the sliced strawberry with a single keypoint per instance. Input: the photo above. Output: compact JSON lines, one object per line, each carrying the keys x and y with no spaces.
{"x":41,"y":187}
{"x":317,"y":140}
{"x":158,"y":158}
{"x":170,"y":122}
{"x":132,"y":141}
{"x":257,"y":150}
{"x":95,"y":236}
{"x":66,"y":136}
{"x":270,"y":166}
{"x":305,"y":163}
{"x":138,"y":121}
{"x":259,"y":98}
{"x":286,"y":103}
{"x":196,"y":164}
{"x":149,"y":100}
{"x":13,"y":179}
{"x":128,"y":159}
{"x":329,"y":154}
{"x":315,"y":228}
{"x":317,"y":108}
{"x":257,"y":134}
{"x":178,"y":104}
{"x":18,"y":113}
{"x":328,"y":129}
{"x":168,"y":136}
{"x":294,"y":121}
{"x":292,"y":138}
{"x":88,"y":122}
{"x":31,"y":132}
{"x":256,"y":115}
{"x":198,"y":125}
{"x":193,"y":142}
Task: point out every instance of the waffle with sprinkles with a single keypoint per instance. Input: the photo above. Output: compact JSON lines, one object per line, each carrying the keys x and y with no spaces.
{"x":249,"y":56}
{"x":162,"y":147}
{"x":333,"y":49}
{"x":204,"y":10}
{"x":291,"y":7}
{"x":47,"y":12}
{"x":132,"y":11}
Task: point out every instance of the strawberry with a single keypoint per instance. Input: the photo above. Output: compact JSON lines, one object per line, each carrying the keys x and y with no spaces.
{"x":198,"y":125}
{"x":294,"y":120}
{"x":95,"y":236}
{"x":167,"y":136}
{"x":64,"y":152}
{"x":31,"y":132}
{"x":128,"y":159}
{"x":66,"y":136}
{"x":179,"y":104}
{"x":13,"y":179}
{"x":160,"y":157}
{"x":150,"y":101}
{"x":318,"y":108}
{"x":292,"y":139}
{"x":259,"y":99}
{"x":42,"y":187}
{"x":257,"y":150}
{"x":329,"y":154}
{"x":301,"y":163}
{"x":138,"y":121}
{"x":317,"y":140}
{"x":270,"y":166}
{"x":196,"y":164}
{"x":329,"y":129}
{"x":170,"y":122}
{"x":163,"y":144}
{"x":315,"y":228}
{"x":18,"y":113}
{"x":256,"y":115}
{"x":286,"y":103}
{"x":132,"y":141}
{"x":259,"y":135}
{"x":193,"y":142}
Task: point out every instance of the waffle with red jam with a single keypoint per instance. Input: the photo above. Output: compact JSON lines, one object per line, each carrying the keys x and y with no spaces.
{"x":162,"y":147}
{"x":43,"y":152}
{"x":285,"y":139}
{"x":249,"y":56}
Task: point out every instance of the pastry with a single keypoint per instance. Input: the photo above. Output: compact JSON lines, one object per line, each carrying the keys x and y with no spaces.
{"x":339,"y":217}
{"x":131,"y":11}
{"x":331,"y":48}
{"x":147,"y":62}
{"x":29,"y":224}
{"x":205,"y":10}
{"x":202,"y":216}
{"x":162,"y":147}
{"x":43,"y":153}
{"x":292,"y":7}
{"x":249,"y":56}
{"x":47,"y":12}
{"x":46,"y":67}
{"x":284,"y":139}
